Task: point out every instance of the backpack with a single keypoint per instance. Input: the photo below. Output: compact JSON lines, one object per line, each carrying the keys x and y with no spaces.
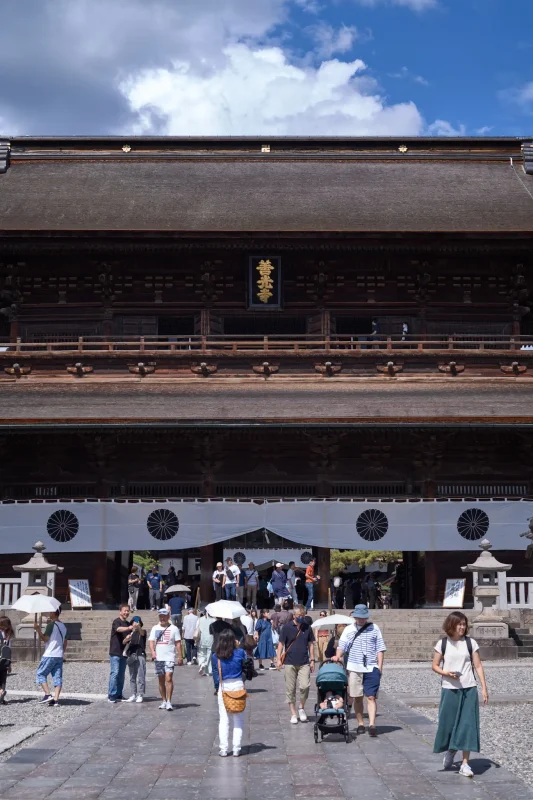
{"x":5,"y":654}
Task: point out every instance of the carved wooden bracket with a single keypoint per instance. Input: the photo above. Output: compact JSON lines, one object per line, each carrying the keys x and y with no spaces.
{"x":265,"y":368}
{"x":79,"y":370}
{"x":390,"y":368}
{"x":142,"y":369}
{"x":17,"y":370}
{"x":204,"y":369}
{"x":452,"y":368}
{"x":328,"y":368}
{"x":515,"y":368}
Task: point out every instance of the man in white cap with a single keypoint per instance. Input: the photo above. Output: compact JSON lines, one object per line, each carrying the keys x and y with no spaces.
{"x":165,"y":647}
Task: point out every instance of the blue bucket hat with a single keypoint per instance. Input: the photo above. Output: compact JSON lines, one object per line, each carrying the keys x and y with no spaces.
{"x":361,"y":611}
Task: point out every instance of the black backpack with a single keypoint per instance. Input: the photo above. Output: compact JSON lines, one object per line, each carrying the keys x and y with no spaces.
{"x":5,"y":654}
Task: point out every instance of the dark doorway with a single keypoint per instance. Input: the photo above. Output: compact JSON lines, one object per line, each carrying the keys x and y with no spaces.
{"x":265,"y":325}
{"x":175,"y":326}
{"x":354,"y":326}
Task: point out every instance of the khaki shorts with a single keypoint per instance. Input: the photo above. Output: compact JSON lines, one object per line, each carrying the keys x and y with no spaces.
{"x":355,"y":684}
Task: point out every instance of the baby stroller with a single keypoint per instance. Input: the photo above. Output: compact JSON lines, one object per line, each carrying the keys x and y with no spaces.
{"x":331,"y":678}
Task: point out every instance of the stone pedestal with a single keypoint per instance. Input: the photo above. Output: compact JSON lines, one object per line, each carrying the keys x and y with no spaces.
{"x":487,"y":629}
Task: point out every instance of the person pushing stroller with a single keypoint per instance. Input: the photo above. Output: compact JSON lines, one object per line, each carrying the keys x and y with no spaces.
{"x":361,"y":647}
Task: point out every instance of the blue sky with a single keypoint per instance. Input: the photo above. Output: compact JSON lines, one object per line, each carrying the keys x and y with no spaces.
{"x":237,"y":67}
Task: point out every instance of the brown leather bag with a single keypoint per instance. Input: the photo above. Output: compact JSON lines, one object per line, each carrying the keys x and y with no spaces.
{"x":234,"y":702}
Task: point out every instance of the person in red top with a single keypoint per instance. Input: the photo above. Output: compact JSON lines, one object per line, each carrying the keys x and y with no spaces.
{"x":310,"y":580}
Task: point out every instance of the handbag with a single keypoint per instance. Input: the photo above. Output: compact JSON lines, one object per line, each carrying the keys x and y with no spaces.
{"x":234,"y":702}
{"x":284,"y":655}
{"x":275,"y":638}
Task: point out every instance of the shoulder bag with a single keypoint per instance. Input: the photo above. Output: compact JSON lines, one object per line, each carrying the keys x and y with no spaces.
{"x":284,"y":654}
{"x":359,"y":632}
{"x":234,"y":702}
{"x":5,"y":653}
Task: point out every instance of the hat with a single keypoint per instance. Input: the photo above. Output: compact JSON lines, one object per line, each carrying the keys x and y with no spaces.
{"x":219,"y":563}
{"x":361,"y":611}
{"x":279,"y":564}
{"x":163,"y":611}
{"x":137,"y":619}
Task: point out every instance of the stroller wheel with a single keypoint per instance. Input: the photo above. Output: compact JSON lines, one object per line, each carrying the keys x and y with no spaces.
{"x":347,"y":734}
{"x":316,"y":735}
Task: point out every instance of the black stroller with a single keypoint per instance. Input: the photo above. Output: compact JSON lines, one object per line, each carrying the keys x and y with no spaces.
{"x":331,"y":678}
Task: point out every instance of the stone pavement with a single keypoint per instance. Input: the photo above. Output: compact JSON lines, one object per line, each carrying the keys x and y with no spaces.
{"x":133,"y":752}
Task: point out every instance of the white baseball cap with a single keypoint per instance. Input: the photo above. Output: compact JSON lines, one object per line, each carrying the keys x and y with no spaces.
{"x":279,"y":564}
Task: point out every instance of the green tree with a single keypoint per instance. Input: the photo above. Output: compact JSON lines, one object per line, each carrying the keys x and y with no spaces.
{"x":341,"y":559}
{"x":145,"y":559}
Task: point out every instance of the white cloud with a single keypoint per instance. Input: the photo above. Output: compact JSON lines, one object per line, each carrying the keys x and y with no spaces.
{"x":486,"y":129}
{"x":414,"y":5}
{"x":311,"y":6}
{"x":330,"y":40}
{"x":442,"y":127}
{"x":521,"y":96}
{"x":258,"y":91}
{"x":405,"y":74}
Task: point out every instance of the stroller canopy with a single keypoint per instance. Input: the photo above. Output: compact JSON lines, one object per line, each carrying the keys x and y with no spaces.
{"x":332,"y":678}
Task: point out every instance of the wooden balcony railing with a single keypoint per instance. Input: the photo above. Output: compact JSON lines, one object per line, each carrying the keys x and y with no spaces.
{"x":260,"y":345}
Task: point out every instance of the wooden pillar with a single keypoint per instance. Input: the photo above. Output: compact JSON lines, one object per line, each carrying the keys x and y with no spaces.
{"x":207,"y":567}
{"x":431,"y":577}
{"x":99,"y":578}
{"x":322,"y":569}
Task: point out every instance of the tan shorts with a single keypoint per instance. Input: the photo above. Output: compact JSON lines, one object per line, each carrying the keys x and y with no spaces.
{"x":355,"y":684}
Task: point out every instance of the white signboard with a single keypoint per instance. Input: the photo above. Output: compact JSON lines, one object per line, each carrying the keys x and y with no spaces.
{"x":454,"y":593}
{"x":80,"y":594}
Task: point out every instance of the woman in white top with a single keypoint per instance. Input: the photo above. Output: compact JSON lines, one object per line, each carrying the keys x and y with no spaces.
{"x":455,"y":658}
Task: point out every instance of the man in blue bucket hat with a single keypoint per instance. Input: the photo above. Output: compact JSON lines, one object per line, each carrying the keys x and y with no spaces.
{"x":361,"y":647}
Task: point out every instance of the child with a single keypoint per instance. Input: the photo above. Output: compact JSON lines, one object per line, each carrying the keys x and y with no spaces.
{"x":331,"y":700}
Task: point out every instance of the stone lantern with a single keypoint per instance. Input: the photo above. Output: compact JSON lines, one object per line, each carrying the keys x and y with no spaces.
{"x":489,"y":624}
{"x":38,"y":575}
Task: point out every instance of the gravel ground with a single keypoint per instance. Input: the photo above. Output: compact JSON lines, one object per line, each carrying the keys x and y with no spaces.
{"x":506,"y":730}
{"x":21,"y":711}
{"x":505,"y":736}
{"x":502,"y":678}
{"x":78,"y":676}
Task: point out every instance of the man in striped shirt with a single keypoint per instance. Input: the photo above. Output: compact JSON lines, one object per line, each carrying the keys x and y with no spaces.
{"x":365,"y":664}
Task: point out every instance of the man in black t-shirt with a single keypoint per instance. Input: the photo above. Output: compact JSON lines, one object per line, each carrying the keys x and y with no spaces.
{"x":295,"y":652}
{"x":119,"y":630}
{"x":176,"y":604}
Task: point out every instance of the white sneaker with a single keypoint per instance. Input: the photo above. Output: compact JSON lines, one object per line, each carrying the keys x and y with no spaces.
{"x":466,"y":771}
{"x":189,"y":663}
{"x":447,"y":761}
{"x":130,"y":699}
{"x":294,"y":720}
{"x":169,"y":706}
{"x":201,"y":671}
{"x":223,"y":753}
{"x":302,"y":714}
{"x":139,"y":698}
{"x":163,"y":705}
{"x":237,"y":752}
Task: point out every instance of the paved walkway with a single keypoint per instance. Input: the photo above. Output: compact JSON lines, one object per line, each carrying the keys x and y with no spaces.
{"x":133,"y":752}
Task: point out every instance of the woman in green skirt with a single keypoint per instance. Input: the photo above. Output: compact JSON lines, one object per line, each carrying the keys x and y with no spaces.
{"x":456,"y":656}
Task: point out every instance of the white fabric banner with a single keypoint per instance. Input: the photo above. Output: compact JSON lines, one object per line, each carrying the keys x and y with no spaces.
{"x":83,"y":526}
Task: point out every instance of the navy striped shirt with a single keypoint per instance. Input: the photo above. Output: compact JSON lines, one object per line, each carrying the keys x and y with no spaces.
{"x":368,"y":644}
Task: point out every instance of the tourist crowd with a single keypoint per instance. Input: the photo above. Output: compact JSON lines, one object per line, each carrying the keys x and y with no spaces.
{"x":286,"y":639}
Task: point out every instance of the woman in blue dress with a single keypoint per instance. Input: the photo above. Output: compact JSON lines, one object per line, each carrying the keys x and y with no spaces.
{"x":263,"y":637}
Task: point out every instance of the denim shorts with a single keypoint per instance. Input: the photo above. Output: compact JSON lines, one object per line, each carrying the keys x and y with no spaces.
{"x":50,"y":666}
{"x":162,"y":667}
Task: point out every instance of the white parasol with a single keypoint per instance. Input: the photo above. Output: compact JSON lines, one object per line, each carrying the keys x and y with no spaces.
{"x":179,"y":587}
{"x":36,"y":604}
{"x":225,"y":609}
{"x":332,"y":620}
